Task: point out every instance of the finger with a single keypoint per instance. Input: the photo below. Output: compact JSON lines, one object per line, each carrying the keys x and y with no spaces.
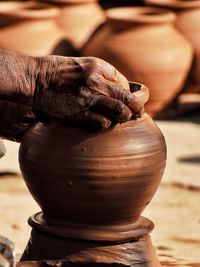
{"x":113,"y":108}
{"x":110,"y":73}
{"x":90,"y":120}
{"x":130,"y":100}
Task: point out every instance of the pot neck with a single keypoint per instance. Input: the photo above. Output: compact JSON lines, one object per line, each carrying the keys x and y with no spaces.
{"x":120,"y":18}
{"x":27,"y":11}
{"x":177,"y":5}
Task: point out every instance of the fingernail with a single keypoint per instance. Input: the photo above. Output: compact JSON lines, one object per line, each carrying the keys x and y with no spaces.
{"x":126,"y":116}
{"x":106,"y":124}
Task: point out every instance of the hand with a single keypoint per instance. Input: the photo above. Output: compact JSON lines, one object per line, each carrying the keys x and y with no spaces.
{"x":85,"y":91}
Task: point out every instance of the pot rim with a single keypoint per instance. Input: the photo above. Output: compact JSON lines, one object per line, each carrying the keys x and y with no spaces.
{"x":29,"y":10}
{"x":175,"y":4}
{"x":140,"y":91}
{"x":146,"y":15}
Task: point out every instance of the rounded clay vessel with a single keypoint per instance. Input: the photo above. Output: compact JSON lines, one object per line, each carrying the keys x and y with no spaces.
{"x":29,"y":27}
{"x":144,"y":45}
{"x":188,"y":23}
{"x":95,"y":179}
{"x":79,"y":19}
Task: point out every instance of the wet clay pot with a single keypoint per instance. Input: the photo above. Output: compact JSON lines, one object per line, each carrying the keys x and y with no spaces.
{"x":29,"y":27}
{"x":188,"y":23}
{"x":144,"y":45}
{"x":93,"y":185}
{"x":79,"y":19}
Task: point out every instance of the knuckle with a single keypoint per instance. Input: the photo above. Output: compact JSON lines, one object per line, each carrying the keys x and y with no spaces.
{"x":93,"y":63}
{"x":118,"y":109}
{"x":126,"y":97}
{"x":94,"y":99}
{"x":104,"y":123}
{"x":93,"y":80}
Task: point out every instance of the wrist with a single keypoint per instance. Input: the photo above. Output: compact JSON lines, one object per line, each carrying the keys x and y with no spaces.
{"x":55,"y":75}
{"x":17,"y":78}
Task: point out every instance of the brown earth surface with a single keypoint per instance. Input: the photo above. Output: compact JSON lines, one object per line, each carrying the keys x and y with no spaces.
{"x":175,"y":209}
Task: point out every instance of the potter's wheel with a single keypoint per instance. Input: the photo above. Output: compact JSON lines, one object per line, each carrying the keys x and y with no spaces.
{"x":103,"y":233}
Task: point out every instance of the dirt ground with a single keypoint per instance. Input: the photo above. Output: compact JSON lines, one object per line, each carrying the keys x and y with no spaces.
{"x":175,"y":209}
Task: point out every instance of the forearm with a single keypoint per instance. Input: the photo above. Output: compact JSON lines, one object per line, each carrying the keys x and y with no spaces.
{"x":26,"y":83}
{"x":17,"y":86}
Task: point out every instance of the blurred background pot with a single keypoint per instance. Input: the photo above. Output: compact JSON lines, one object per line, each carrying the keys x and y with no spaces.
{"x":29,"y":27}
{"x":79,"y":19}
{"x":188,"y":23}
{"x":144,"y":45}
{"x":94,"y":180}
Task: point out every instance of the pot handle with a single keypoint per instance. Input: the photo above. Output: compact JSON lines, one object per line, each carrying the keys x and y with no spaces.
{"x":140,"y":91}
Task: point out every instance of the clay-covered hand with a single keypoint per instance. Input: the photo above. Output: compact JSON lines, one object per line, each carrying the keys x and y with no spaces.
{"x":84,"y":91}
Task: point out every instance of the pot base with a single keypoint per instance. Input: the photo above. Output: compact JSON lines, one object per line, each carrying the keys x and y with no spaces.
{"x":45,"y":246}
{"x":100,"y":233}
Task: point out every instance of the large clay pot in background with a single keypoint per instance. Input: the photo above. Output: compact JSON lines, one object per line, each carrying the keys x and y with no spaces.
{"x":94,"y":182}
{"x":144,"y":45}
{"x":29,"y":27}
{"x":79,"y":19}
{"x":188,"y":23}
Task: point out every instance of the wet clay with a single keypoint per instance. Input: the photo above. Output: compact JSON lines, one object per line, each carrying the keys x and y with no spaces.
{"x":98,"y":178}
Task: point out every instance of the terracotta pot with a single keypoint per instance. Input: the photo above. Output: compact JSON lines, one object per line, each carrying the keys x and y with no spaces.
{"x":79,"y":19}
{"x":93,"y":183}
{"x":188,"y":23}
{"x":144,"y":45}
{"x":2,"y":149}
{"x":29,"y":27}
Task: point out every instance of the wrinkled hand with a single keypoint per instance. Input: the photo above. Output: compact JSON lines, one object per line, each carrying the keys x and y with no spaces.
{"x":84,"y":91}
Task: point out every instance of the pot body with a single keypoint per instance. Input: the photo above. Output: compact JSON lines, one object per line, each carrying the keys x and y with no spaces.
{"x":78,"y":19}
{"x":29,"y":28}
{"x":93,"y":178}
{"x":145,"y":50}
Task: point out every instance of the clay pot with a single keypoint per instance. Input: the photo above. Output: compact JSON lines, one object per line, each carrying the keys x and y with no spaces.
{"x":93,"y":183}
{"x":144,"y":45}
{"x":79,"y":19}
{"x":2,"y":149}
{"x":188,"y":23}
{"x":29,"y":27}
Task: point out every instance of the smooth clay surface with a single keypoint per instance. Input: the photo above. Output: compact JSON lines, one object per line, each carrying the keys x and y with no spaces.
{"x":99,"y":178}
